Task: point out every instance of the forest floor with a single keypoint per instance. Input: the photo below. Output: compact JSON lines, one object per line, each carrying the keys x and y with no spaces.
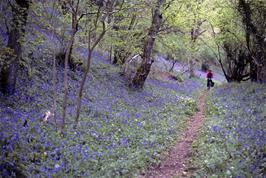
{"x":174,"y":164}
{"x":120,"y":133}
{"x":123,"y":133}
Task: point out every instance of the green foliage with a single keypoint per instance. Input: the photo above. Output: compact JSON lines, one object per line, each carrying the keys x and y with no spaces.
{"x":128,"y":31}
{"x":108,"y":153}
{"x":189,"y":103}
{"x":173,"y":46}
{"x":121,"y":132}
{"x":101,"y":148}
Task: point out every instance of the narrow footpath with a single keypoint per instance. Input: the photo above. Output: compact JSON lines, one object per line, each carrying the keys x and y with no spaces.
{"x":174,"y":164}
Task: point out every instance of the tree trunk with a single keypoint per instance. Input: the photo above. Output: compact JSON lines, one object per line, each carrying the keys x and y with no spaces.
{"x":261,"y":58}
{"x":237,"y":60}
{"x":70,"y":44}
{"x":8,"y":74}
{"x":253,"y":71}
{"x":224,"y":72}
{"x":194,"y":34}
{"x":71,"y":63}
{"x":116,"y":57}
{"x":111,"y":53}
{"x":191,"y":68}
{"x":258,"y":53}
{"x":54,"y":75}
{"x":143,"y":71}
{"x":262,"y":73}
{"x":54,"y":91}
{"x":83,"y":81}
{"x":67,"y":63}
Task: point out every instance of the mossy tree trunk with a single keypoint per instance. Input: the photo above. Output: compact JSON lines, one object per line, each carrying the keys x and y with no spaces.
{"x":8,"y":74}
{"x":261,"y":56}
{"x":75,"y":20}
{"x":91,"y":46}
{"x":144,"y":69}
{"x":255,"y":39}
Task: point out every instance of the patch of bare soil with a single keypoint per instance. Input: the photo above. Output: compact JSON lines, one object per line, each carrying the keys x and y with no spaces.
{"x":163,"y":76}
{"x":174,"y":164}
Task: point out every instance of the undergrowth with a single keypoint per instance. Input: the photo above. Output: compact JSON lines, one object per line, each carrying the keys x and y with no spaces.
{"x":120,"y":131}
{"x":233,"y":140}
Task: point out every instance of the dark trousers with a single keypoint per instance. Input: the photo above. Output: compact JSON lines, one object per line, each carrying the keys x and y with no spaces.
{"x":209,"y":81}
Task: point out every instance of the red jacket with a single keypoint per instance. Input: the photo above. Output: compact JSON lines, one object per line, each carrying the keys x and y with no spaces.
{"x":209,"y":75}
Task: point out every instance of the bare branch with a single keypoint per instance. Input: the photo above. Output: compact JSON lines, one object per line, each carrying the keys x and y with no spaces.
{"x":247,"y":48}
{"x":100,"y":36}
{"x":77,"y":7}
{"x":85,"y":14}
{"x":168,"y":30}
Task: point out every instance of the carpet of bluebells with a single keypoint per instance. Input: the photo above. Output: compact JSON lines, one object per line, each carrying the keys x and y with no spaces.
{"x":120,"y":131}
{"x":233,"y":140}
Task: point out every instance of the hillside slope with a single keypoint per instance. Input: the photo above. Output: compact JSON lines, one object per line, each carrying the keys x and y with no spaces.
{"x":120,"y":131}
{"x":233,"y":139}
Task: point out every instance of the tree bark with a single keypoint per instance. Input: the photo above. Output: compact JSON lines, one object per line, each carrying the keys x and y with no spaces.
{"x":194,"y":34}
{"x":75,"y":22}
{"x":254,"y":35}
{"x":116,"y":57}
{"x":8,"y":74}
{"x":144,"y":69}
{"x":237,"y":60}
{"x":191,"y":68}
{"x":70,"y":44}
{"x":83,"y":81}
{"x":261,"y":56}
{"x":253,"y":71}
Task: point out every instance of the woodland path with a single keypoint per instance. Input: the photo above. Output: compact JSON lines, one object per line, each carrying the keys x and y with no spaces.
{"x":174,"y":164}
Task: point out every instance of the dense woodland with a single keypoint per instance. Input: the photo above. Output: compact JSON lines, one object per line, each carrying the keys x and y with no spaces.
{"x":65,"y":64}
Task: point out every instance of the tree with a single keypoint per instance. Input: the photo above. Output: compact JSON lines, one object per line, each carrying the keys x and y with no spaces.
{"x":73,"y":7}
{"x":253,"y":15}
{"x":234,"y":63}
{"x":144,"y":69}
{"x":121,"y":51}
{"x":185,"y":23}
{"x":8,"y":75}
{"x":129,"y":26}
{"x":241,"y":37}
{"x":93,"y":41}
{"x":196,"y":31}
{"x":172,"y":46}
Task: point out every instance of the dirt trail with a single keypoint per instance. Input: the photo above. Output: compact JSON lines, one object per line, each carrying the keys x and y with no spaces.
{"x":174,"y":163}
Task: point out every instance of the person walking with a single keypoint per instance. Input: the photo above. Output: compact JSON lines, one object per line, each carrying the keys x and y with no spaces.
{"x":209,"y":79}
